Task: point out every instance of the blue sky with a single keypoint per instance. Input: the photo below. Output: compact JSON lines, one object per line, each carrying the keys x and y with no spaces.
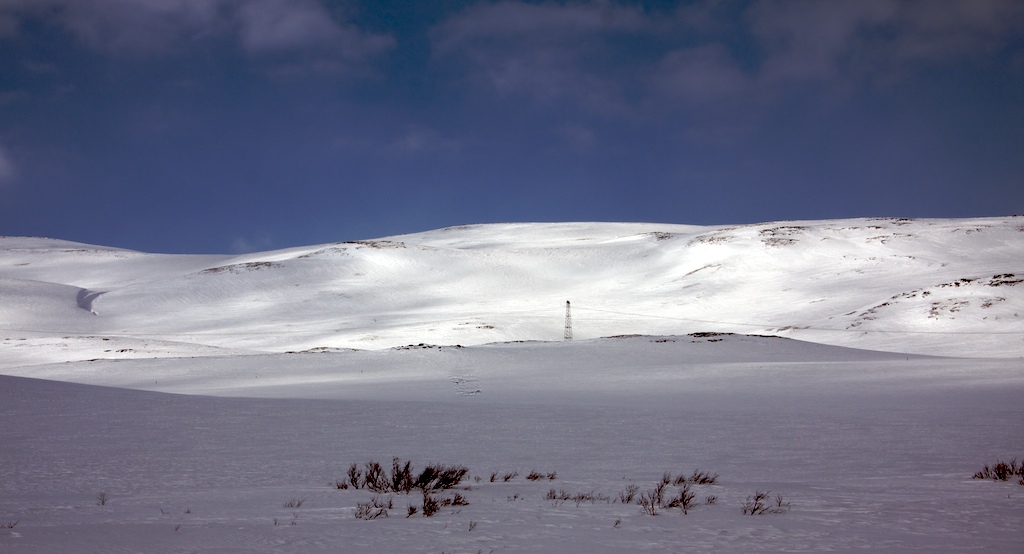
{"x":240,"y":125}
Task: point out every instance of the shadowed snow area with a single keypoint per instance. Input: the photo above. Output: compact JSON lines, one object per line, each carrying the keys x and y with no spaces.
{"x":899,"y":376}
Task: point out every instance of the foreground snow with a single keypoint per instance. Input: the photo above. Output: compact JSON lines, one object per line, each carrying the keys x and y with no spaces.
{"x":872,"y":450}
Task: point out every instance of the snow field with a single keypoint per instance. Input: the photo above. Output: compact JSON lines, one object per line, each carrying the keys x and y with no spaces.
{"x":872,"y":450}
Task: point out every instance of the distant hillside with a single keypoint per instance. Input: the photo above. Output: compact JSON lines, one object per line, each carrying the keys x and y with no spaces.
{"x":946,"y":287}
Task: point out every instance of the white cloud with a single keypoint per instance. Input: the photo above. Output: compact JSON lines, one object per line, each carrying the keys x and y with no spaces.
{"x":272,"y":25}
{"x":545,"y":23}
{"x":137,"y":27}
{"x":406,"y":142}
{"x":8,"y":26}
{"x":243,"y":245}
{"x":713,"y":53}
{"x":280,"y":25}
{"x":421,"y":140}
{"x":547,"y":52}
{"x":964,"y":29}
{"x":577,"y":137}
{"x":701,"y":74}
{"x":8,"y":171}
{"x":805,"y":40}
{"x":150,"y":27}
{"x":877,"y":39}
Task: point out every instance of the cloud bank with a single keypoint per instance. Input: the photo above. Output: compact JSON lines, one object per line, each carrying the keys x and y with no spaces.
{"x":571,"y":52}
{"x":141,"y":28}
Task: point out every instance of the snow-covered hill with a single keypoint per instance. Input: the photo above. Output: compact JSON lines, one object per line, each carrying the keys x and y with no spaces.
{"x":948,"y":287}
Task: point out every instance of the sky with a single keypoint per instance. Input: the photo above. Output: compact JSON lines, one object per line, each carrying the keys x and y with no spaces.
{"x":230,"y":126}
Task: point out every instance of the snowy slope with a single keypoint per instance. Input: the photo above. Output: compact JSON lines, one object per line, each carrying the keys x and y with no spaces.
{"x":949,"y":287}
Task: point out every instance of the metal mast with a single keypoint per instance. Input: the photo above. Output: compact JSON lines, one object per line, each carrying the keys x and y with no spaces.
{"x":568,"y":322}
